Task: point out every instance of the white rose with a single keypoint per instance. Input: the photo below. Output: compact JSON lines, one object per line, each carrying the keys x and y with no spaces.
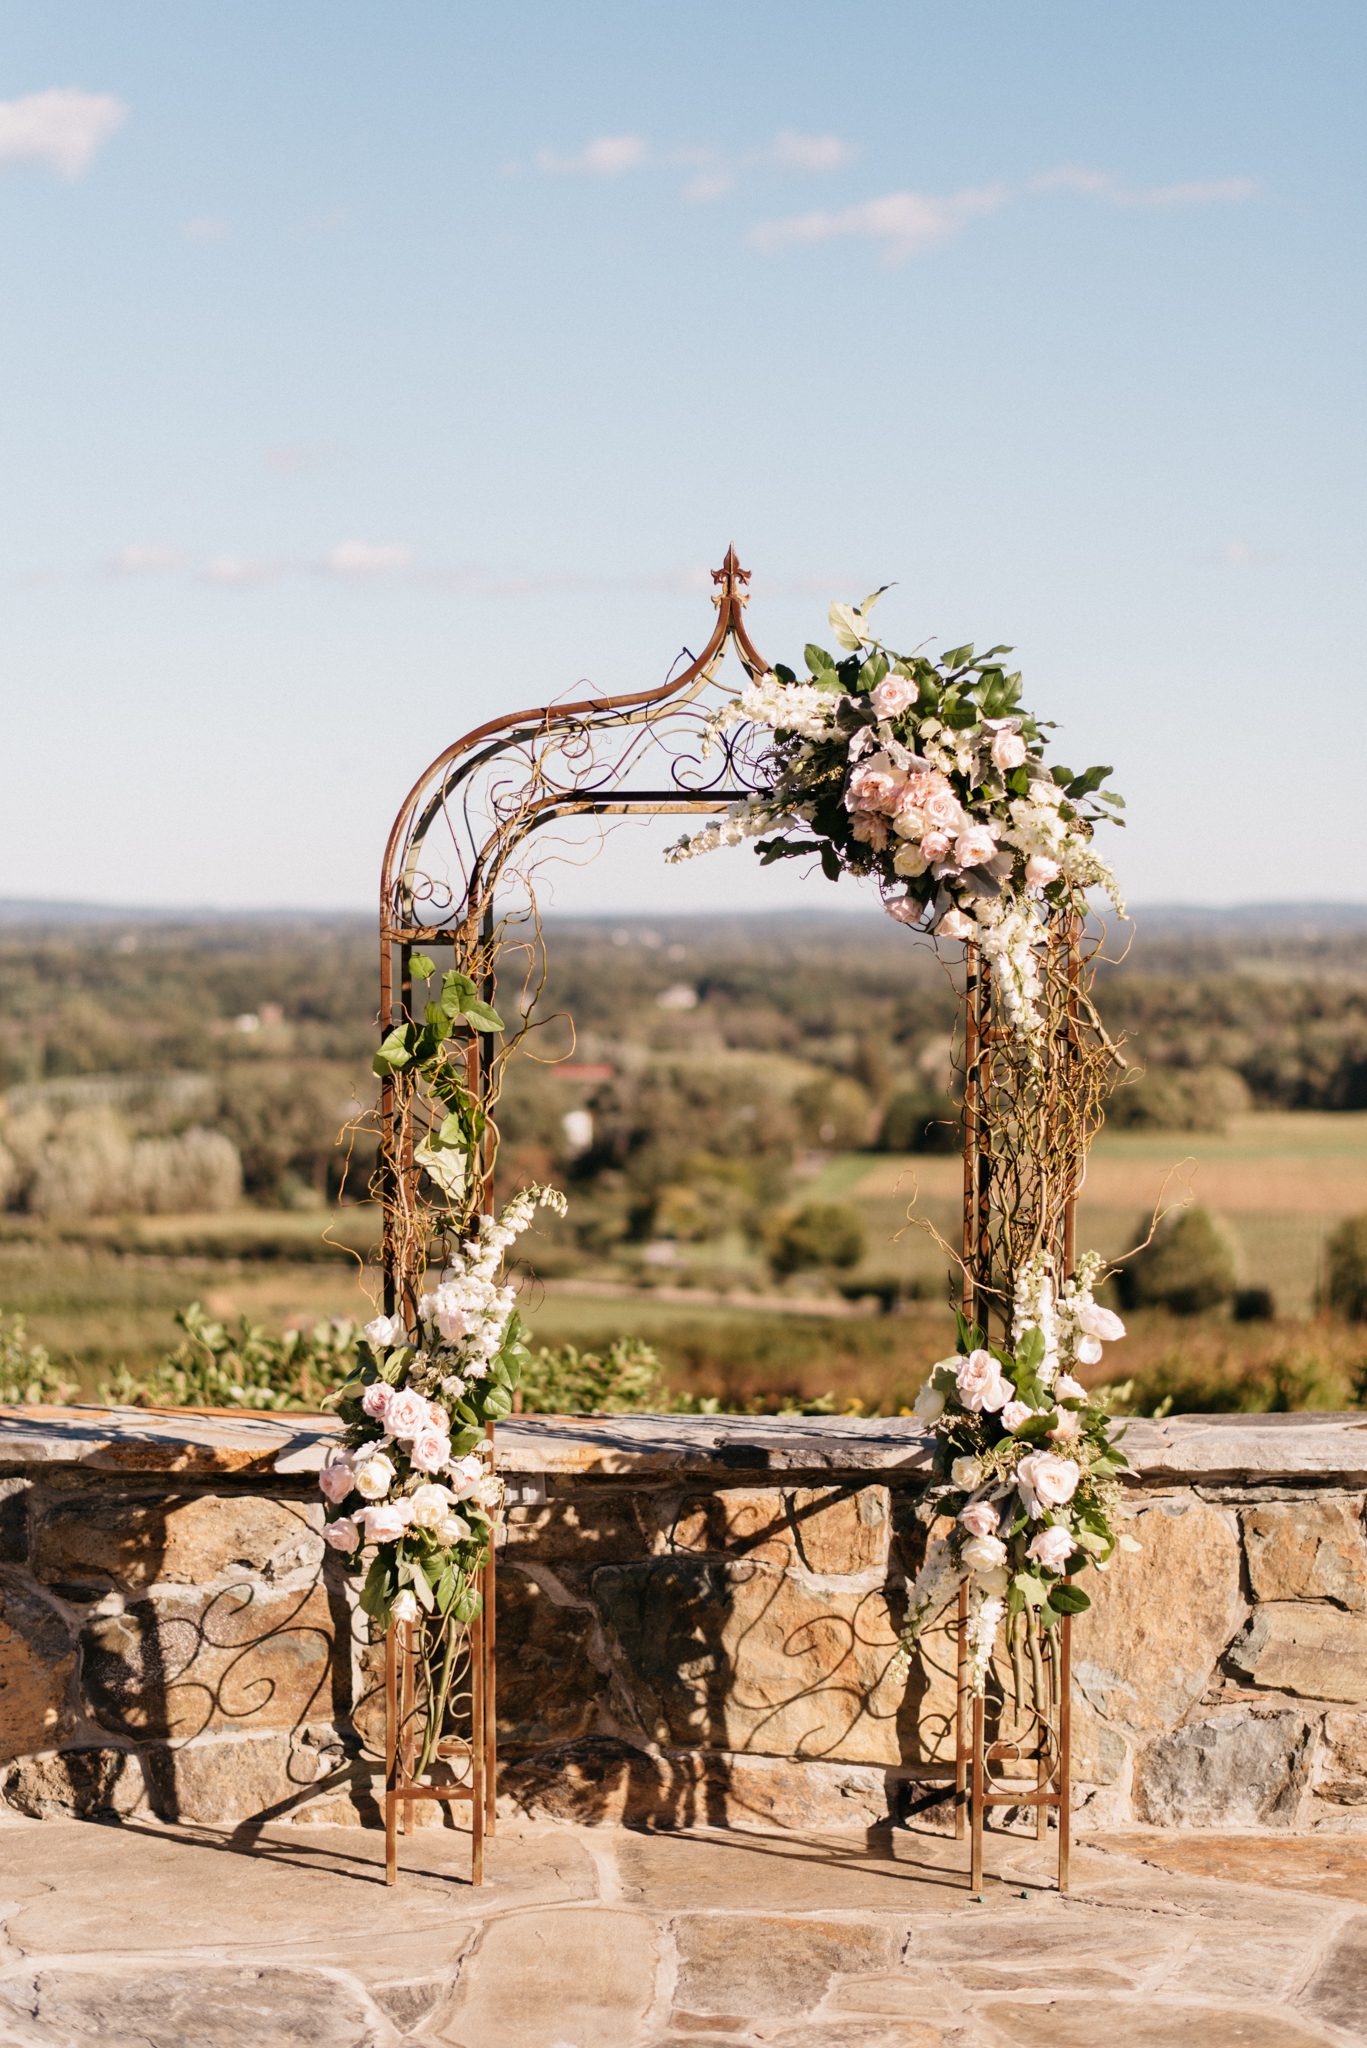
{"x":929,"y":1404}
{"x":382,"y":1332}
{"x":966,"y":1472}
{"x":1095,"y":1321}
{"x":1008,"y":751}
{"x":405,"y":1605}
{"x":1066,"y":1388}
{"x":452,"y":1529}
{"x":429,"y":1504}
{"x":983,"y":1553}
{"x":1046,"y":1481}
{"x":1040,"y":871}
{"x":373,"y":1476}
{"x":954,"y":925}
{"x":909,"y":860}
{"x":1087,"y":1350}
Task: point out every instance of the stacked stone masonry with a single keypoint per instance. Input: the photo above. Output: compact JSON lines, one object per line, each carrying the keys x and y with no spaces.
{"x":696,"y":1625}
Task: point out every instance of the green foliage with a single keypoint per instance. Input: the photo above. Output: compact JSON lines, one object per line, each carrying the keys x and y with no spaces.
{"x":219,"y":1367}
{"x":1292,"y":1381}
{"x":624,"y":1378}
{"x":1345,"y":1280}
{"x":1188,"y":1267}
{"x":1179,"y":1099}
{"x":816,"y":1236}
{"x":28,"y":1372}
{"x":919,"y":1120}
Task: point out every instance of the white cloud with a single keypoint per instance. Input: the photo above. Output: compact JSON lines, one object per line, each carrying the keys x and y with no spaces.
{"x":62,"y":128}
{"x":235,"y":572}
{"x":1105,"y":185}
{"x":715,"y":170}
{"x":145,"y":559}
{"x":366,"y":558}
{"x":209,"y":227}
{"x":607,"y":156}
{"x":791,"y":152}
{"x":902,"y":223}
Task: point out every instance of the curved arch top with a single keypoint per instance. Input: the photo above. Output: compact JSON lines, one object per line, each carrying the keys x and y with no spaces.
{"x":596,"y":756}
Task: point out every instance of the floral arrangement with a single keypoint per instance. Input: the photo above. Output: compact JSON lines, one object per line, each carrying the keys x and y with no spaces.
{"x":1026,"y":1467}
{"x":928,"y":776}
{"x":412,"y":1489}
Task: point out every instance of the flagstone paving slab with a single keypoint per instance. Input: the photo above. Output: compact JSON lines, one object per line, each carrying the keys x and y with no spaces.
{"x":138,"y":1935}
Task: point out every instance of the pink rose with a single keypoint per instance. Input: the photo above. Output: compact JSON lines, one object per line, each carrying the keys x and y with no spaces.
{"x":875,"y":785}
{"x":376,"y":1399}
{"x":943,"y":809}
{"x":406,"y":1412}
{"x":892,"y":696}
{"x":982,"y":1387}
{"x":385,"y":1523}
{"x":1101,"y":1322}
{"x":974,"y":846}
{"x":954,"y":925}
{"x":1015,"y":1413}
{"x":1040,"y":871}
{"x":870,"y":828}
{"x":1008,"y":751}
{"x":1046,"y":1481}
{"x":343,"y":1534}
{"x":1052,"y":1548}
{"x":1066,"y":1427}
{"x":465,"y":1475}
{"x":1066,"y":1388}
{"x":905,"y":909}
{"x":430,"y":1449}
{"x":335,"y":1481}
{"x":936,"y":845}
{"x":980,"y":1518}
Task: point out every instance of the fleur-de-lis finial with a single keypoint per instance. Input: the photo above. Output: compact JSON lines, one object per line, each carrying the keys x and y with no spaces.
{"x":731,"y":576}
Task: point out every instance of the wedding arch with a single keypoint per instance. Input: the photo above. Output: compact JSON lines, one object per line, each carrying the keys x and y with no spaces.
{"x":929,"y":778}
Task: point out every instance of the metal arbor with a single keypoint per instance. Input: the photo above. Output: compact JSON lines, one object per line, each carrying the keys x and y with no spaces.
{"x":458,"y":882}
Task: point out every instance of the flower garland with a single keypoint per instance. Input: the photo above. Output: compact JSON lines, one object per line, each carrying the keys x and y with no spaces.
{"x":412,"y":1487}
{"x":928,"y":776}
{"x":1026,"y":1465}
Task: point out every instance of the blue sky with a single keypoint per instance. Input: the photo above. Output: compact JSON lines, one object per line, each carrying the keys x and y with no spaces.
{"x":370,"y":370}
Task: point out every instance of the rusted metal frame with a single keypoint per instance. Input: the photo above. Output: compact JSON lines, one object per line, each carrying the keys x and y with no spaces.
{"x":399,"y":934}
{"x":518,"y":727}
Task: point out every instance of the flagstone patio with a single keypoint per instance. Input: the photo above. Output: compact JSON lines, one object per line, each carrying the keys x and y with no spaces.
{"x":138,"y":1935}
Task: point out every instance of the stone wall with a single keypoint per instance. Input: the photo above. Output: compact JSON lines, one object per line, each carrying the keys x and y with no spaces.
{"x":696,"y":1624}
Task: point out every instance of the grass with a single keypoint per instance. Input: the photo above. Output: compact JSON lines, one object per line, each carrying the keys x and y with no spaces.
{"x":105,"y":1292}
{"x":1280,"y":1181}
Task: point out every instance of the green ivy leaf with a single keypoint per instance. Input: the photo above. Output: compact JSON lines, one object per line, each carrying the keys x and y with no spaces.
{"x":1068,"y":1600}
{"x":395,"y":1051}
{"x":817,"y":659}
{"x":421,"y":966}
